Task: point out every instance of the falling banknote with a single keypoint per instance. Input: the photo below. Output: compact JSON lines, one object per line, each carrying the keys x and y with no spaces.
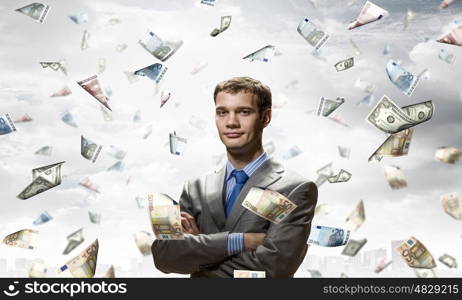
{"x":425,"y":273}
{"x":454,"y":37}
{"x":356,"y":217}
{"x":408,"y":18}
{"x":292,"y":152}
{"x":208,"y":2}
{"x":344,"y":152}
{"x":224,"y":24}
{"x":45,"y":150}
{"x":448,"y":260}
{"x":268,"y":204}
{"x":43,"y":179}
{"x":6,"y":125}
{"x":55,"y":66}
{"x":68,"y":118}
{"x":36,"y":11}
{"x":369,"y":13}
{"x":95,"y":217}
{"x":164,"y":214}
{"x":43,"y":218}
{"x":448,"y":155}
{"x":395,"y":177}
{"x":64,"y":91}
{"x":144,"y":240}
{"x":176,"y":144}
{"x":38,"y":270}
{"x":328,"y":236}
{"x":415,"y":254}
{"x":395,"y":145}
{"x":401,"y":78}
{"x":93,"y":87}
{"x":249,"y":274}
{"x":324,"y":173}
{"x":451,"y":205}
{"x":110,"y":273}
{"x":345,"y":64}
{"x":116,"y":152}
{"x":23,"y":118}
{"x":117,"y":166}
{"x":264,"y":54}
{"x":88,"y":149}
{"x":312,"y":34}
{"x":164,"y":97}
{"x":382,"y":265}
{"x":159,"y":48}
{"x":80,"y":18}
{"x":390,"y":118}
{"x":342,"y":176}
{"x":353,"y":246}
{"x":154,"y":72}
{"x":87,"y":183}
{"x":446,"y":56}
{"x":85,"y":38}
{"x":25,"y":238}
{"x":328,"y":106}
{"x":74,"y":240}
{"x":83,"y":265}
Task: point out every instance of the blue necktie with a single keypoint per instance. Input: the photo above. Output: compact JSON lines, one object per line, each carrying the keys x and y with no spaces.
{"x":241,"y":179}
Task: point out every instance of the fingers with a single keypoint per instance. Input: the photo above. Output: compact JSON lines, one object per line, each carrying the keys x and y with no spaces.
{"x":191,"y":222}
{"x":186,"y":225}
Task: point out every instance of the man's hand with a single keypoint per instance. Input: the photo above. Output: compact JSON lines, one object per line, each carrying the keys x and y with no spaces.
{"x":253,"y":240}
{"x":189,"y":224}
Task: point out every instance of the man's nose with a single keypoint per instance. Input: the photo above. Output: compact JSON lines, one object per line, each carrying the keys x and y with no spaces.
{"x":232,"y":120}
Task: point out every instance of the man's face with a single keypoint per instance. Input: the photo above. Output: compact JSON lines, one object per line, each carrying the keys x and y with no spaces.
{"x":238,"y":121}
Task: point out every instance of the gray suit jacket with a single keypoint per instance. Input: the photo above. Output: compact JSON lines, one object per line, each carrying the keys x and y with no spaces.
{"x":205,"y":255}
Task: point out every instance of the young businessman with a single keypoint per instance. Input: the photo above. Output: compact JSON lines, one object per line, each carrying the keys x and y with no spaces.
{"x":220,"y":234}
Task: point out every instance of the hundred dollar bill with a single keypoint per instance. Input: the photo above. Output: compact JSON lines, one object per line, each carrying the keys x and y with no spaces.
{"x":448,"y":260}
{"x":395,"y":145}
{"x":328,"y":106}
{"x":176,"y":144}
{"x":26,"y":238}
{"x":344,"y":152}
{"x":312,"y":34}
{"x":80,"y":18}
{"x":89,"y":149}
{"x":415,"y":254}
{"x":64,"y":91}
{"x":353,"y":246}
{"x":390,"y":118}
{"x":446,"y":56}
{"x":159,"y":48}
{"x":369,"y":13}
{"x":451,"y":205}
{"x":425,"y":273}
{"x":454,"y":37}
{"x":73,"y":241}
{"x":224,"y":24}
{"x":93,"y":87}
{"x":382,"y":265}
{"x":38,"y":270}
{"x":164,"y":214}
{"x":328,"y":236}
{"x":6,"y":125}
{"x":395,"y":177}
{"x":55,"y":66}
{"x":356,"y":217}
{"x":110,"y":273}
{"x":36,"y":11}
{"x":448,"y":155}
{"x":87,"y":183}
{"x":154,"y":72}
{"x":323,"y":174}
{"x":249,"y":274}
{"x":408,"y":18}
{"x":401,"y":78}
{"x":268,"y":204}
{"x":342,"y":176}
{"x":43,"y":218}
{"x":315,"y":273}
{"x":264,"y":54}
{"x":95,"y":217}
{"x":85,"y":38}
{"x":43,"y":179}
{"x":344,"y":64}
{"x":144,"y":242}
{"x":83,"y":265}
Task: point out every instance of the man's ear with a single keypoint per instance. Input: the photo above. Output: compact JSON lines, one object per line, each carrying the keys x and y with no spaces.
{"x":266,"y":117}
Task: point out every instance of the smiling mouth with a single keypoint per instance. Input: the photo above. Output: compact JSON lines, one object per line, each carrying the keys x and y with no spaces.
{"x":233,"y":135}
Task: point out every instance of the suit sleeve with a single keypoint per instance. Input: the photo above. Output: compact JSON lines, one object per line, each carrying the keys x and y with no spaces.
{"x":284,"y":246}
{"x":195,"y":252}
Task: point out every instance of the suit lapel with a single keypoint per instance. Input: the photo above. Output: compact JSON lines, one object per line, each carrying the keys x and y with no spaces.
{"x":265,"y":175}
{"x":214,"y":196}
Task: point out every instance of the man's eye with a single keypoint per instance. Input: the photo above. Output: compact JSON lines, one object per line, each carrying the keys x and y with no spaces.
{"x":221,"y":113}
{"x":245,"y":112}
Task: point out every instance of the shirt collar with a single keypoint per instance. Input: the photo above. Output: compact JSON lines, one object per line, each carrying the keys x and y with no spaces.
{"x":249,"y":169}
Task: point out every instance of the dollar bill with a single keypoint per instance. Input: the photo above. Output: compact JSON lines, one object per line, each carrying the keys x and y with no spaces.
{"x":116,"y":152}
{"x":344,"y":152}
{"x":446,"y":56}
{"x":68,"y":118}
{"x":312,"y":34}
{"x":315,"y":273}
{"x":110,"y":273}
{"x":83,"y":265}
{"x":42,"y":218}
{"x":451,"y":205}
{"x":43,"y":179}
{"x":323,"y":173}
{"x":225,"y":22}
{"x":55,"y":66}
{"x":26,"y":238}
{"x":249,"y":274}
{"x":292,"y":152}
{"x":36,"y":11}
{"x":73,"y":241}
{"x":328,"y":236}
{"x":6,"y":125}
{"x":93,"y":87}
{"x":208,"y":2}
{"x":454,"y":37}
{"x":165,"y":217}
{"x":117,"y":166}
{"x":159,"y":48}
{"x":345,"y":64}
{"x":64,"y":91}
{"x":144,"y":240}
{"x":408,"y":18}
{"x":264,"y":54}
{"x":342,"y":176}
{"x":425,"y":273}
{"x":395,"y":145}
{"x":404,"y":80}
{"x":89,"y":149}
{"x":382,"y":265}
{"x":448,"y":155}
{"x":80,"y":18}
{"x":154,"y":72}
{"x":395,"y":177}
{"x":164,"y":97}
{"x":369,"y":13}
{"x":390,"y":118}
{"x":87,"y":183}
{"x":353,"y":246}
{"x":328,"y":106}
{"x":176,"y":144}
{"x":445,"y":3}
{"x":448,"y":260}
{"x":415,"y":254}
{"x":38,"y":270}
{"x":268,"y":204}
{"x":85,"y":38}
{"x":357,"y":217}
{"x":322,"y":209}
{"x":95,"y":217}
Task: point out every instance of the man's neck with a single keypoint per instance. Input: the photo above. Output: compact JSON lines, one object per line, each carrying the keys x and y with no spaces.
{"x":239,"y":161}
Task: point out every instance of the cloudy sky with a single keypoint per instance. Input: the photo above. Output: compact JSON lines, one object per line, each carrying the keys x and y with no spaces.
{"x":25,"y":87}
